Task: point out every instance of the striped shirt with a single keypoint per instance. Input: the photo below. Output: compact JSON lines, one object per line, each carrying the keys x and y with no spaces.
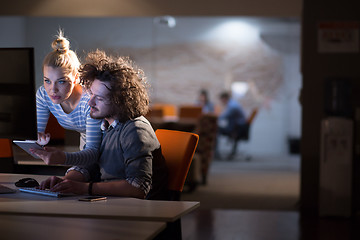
{"x":78,"y":120}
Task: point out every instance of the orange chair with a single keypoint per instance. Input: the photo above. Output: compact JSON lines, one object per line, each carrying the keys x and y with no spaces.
{"x":169,"y":110}
{"x":190,"y":112}
{"x":56,"y":131}
{"x":252,"y":116}
{"x":6,"y":155}
{"x":155,"y":113}
{"x":5,"y":148}
{"x":178,"y":149}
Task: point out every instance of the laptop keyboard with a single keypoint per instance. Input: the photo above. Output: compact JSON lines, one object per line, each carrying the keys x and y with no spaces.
{"x":41,"y":192}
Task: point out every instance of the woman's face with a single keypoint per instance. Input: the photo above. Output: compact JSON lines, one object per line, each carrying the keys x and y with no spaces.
{"x":58,"y":84}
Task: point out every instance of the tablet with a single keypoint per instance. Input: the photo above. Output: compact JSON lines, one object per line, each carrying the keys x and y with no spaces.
{"x":27,"y":144}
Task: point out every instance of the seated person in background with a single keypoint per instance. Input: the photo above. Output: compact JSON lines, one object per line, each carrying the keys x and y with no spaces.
{"x":232,"y":119}
{"x":130,"y":163}
{"x":204,"y":102}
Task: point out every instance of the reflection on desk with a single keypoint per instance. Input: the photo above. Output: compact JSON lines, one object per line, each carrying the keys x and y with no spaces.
{"x":18,"y":227}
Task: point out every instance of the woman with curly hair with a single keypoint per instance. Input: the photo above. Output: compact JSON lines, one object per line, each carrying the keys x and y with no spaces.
{"x":131,"y":163}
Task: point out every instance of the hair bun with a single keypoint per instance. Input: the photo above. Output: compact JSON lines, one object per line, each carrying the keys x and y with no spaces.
{"x":61,"y":45}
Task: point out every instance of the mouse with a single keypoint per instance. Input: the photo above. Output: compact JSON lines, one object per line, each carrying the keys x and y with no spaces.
{"x":27,"y":182}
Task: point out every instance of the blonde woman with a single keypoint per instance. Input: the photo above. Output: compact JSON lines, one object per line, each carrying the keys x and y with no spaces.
{"x":63,"y":96}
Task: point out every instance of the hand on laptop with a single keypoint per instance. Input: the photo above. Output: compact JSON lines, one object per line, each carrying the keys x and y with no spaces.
{"x":50,"y":182}
{"x":62,"y":185}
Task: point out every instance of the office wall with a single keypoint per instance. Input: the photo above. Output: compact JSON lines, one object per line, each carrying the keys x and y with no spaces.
{"x":316,"y":68}
{"x":13,"y":32}
{"x":113,"y":8}
{"x":279,"y":116}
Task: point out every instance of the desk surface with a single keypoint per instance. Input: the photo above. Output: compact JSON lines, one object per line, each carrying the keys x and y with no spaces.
{"x":19,"y":227}
{"x":112,"y":208}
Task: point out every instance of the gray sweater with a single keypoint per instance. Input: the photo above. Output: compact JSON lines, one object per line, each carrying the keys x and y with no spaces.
{"x":131,"y":151}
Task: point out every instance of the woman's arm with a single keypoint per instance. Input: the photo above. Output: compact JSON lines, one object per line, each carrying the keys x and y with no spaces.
{"x":42,"y":110}
{"x":90,"y":153}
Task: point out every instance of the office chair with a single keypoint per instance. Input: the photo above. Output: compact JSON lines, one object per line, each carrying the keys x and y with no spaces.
{"x":241,"y":133}
{"x":155,"y":113}
{"x":178,"y":149}
{"x":190,"y":112}
{"x":5,"y":148}
{"x":169,"y":110}
{"x":6,"y":155}
{"x":207,"y":131}
{"x":56,"y":131}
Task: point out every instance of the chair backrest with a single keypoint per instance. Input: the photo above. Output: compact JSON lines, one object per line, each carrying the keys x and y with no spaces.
{"x":168,"y":109}
{"x":207,"y":131}
{"x":6,"y":148}
{"x":190,"y":111}
{"x":178,"y":149}
{"x":155,"y":113}
{"x":56,"y":131}
{"x":6,"y":156}
{"x":243,"y":131}
{"x":252,"y":116}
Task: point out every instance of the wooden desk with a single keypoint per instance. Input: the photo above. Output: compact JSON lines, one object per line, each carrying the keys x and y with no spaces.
{"x":17,"y":227}
{"x":20,"y":203}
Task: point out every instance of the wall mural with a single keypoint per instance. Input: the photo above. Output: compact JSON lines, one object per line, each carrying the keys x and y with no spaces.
{"x":186,"y":68}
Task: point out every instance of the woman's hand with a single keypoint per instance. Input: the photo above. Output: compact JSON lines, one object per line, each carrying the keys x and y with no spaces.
{"x":43,"y":138}
{"x":50,"y":155}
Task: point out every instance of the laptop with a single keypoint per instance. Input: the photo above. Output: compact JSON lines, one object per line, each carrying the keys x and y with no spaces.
{"x":5,"y":189}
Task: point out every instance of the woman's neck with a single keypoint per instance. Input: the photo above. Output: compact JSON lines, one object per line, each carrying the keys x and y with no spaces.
{"x":70,"y":104}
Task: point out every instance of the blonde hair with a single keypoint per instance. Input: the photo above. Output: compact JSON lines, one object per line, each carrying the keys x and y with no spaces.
{"x":62,"y":56}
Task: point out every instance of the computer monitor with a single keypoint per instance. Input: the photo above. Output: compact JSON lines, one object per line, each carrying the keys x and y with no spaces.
{"x":17,"y":94}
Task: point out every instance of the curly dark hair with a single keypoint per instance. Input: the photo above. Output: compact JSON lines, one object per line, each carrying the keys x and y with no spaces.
{"x":128,"y":83}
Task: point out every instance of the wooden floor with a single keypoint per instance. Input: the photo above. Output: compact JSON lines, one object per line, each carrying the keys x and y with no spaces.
{"x":217,"y":224}
{"x":240,"y":224}
{"x":270,"y":187}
